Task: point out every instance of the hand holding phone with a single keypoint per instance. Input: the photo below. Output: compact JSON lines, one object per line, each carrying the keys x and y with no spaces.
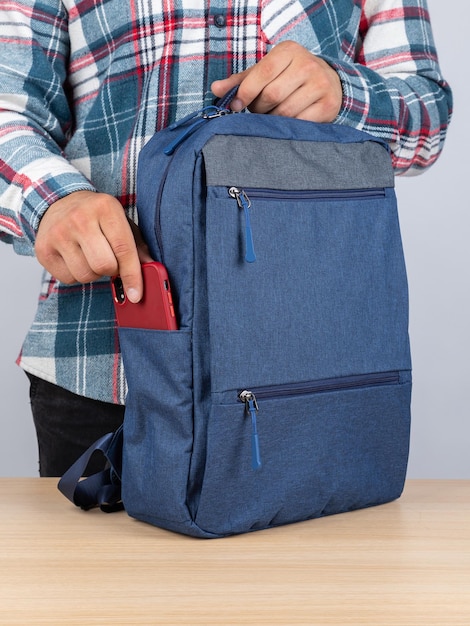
{"x":155,"y":310}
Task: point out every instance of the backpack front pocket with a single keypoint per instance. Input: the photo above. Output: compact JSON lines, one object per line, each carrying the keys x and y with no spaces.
{"x":322,"y":447}
{"x":244,"y":196}
{"x":324,"y":293}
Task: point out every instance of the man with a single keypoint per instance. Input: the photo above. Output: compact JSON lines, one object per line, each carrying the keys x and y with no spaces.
{"x":84,"y":85}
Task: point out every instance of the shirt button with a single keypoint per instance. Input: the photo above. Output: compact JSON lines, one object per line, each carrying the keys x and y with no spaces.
{"x":219,"y":20}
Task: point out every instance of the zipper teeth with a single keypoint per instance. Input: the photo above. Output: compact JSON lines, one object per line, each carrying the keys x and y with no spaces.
{"x":274,"y":194}
{"x":327,"y":384}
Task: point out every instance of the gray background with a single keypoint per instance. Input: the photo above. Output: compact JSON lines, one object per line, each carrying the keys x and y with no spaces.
{"x":435,"y":219}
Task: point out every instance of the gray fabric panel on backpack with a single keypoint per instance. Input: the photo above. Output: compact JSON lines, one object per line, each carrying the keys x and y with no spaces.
{"x":304,"y":165}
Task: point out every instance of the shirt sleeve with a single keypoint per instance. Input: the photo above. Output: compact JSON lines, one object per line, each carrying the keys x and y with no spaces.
{"x":395,"y":89}
{"x":35,"y":118}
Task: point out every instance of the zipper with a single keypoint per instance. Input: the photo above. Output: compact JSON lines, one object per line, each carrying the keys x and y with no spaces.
{"x":328,"y":384}
{"x":244,"y":195}
{"x":315,"y":194}
{"x":251,"y":396}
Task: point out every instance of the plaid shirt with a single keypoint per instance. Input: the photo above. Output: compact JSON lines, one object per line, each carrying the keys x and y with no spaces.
{"x":83,"y":86}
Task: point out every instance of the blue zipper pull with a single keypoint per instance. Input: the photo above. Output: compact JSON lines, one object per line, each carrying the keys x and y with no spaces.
{"x":251,"y":407}
{"x":185,"y":120}
{"x":171,"y":147}
{"x":244,"y":203}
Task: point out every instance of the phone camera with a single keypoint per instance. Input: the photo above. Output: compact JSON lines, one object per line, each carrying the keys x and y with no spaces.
{"x":118,"y":288}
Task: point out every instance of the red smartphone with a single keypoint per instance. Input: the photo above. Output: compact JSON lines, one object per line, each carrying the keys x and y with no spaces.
{"x":156,"y":310}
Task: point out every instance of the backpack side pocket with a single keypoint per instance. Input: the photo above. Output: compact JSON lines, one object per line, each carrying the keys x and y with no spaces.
{"x":158,"y":425}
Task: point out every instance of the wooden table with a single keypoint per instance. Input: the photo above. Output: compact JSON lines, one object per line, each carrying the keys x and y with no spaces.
{"x":400,"y":564}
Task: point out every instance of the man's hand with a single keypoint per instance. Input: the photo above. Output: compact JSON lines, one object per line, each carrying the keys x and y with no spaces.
{"x":288,"y":81}
{"x":87,"y":235}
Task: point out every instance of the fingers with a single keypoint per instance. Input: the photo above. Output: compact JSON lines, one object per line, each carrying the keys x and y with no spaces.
{"x":265,"y":84}
{"x":288,"y":81}
{"x":85,"y":236}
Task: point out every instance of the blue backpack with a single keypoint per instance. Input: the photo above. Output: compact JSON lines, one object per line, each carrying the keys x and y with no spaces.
{"x":285,"y":393}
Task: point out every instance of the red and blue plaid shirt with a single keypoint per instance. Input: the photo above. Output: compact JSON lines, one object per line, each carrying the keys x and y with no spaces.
{"x":83,"y":86}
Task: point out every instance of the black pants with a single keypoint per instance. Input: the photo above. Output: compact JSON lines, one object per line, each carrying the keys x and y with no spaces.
{"x":67,"y":424}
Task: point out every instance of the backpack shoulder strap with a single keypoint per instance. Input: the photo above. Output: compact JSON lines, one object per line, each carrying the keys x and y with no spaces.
{"x":102,"y":489}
